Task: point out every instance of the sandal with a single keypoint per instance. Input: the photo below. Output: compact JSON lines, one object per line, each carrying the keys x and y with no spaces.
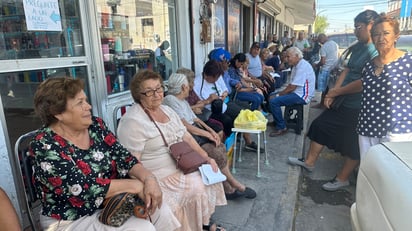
{"x":211,"y":225}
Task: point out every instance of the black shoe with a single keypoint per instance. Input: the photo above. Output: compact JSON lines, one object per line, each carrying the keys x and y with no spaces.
{"x":253,"y":147}
{"x":234,"y":195}
{"x":249,"y":193}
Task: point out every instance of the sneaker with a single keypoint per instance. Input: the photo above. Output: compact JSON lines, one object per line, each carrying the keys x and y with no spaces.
{"x":334,"y":185}
{"x":253,"y":147}
{"x":300,"y":162}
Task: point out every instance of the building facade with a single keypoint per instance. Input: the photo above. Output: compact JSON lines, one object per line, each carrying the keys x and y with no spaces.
{"x":105,"y":42}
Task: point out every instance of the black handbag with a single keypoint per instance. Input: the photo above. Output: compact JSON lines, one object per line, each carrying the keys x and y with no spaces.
{"x":117,"y":209}
{"x":216,"y":106}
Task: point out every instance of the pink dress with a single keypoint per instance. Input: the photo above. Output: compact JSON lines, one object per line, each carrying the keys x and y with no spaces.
{"x":191,"y":201}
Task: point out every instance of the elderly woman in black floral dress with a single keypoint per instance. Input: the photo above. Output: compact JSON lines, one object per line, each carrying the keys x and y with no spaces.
{"x":79,"y":163}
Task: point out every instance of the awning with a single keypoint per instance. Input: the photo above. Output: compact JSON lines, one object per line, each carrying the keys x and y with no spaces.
{"x":303,"y":11}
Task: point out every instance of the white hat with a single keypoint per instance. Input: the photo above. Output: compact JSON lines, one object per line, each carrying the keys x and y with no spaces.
{"x":271,"y":45}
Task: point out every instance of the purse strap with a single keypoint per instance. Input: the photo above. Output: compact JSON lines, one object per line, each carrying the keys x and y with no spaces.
{"x":161,"y":133}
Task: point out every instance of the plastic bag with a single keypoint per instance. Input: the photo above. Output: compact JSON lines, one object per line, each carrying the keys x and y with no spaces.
{"x":248,"y":119}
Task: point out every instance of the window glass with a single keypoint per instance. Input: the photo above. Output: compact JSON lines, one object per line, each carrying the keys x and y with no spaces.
{"x":17,"y":91}
{"x":219,"y":24}
{"x":233,"y":32}
{"x":136,"y":34}
{"x":57,"y":35}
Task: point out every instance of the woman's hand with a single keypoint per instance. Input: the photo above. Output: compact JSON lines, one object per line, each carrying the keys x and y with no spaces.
{"x":213,"y":136}
{"x":332,"y":93}
{"x":212,"y":97}
{"x":197,"y":110}
{"x":212,"y":162}
{"x":327,"y":102}
{"x":152,"y":194}
{"x":238,"y":86}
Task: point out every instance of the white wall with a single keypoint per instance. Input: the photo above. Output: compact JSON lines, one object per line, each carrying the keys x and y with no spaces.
{"x":200,"y":50}
{"x":6,"y":172}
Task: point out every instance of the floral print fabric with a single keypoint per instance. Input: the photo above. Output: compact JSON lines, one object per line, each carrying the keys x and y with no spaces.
{"x":73,"y":182}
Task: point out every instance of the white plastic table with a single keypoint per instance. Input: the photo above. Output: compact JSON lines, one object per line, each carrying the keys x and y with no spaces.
{"x":258,"y":132}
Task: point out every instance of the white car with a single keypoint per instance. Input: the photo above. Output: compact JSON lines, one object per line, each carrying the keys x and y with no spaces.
{"x":384,"y":189}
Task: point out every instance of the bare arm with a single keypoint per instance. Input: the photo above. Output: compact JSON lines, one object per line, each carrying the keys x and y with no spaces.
{"x":341,"y":78}
{"x":353,"y":87}
{"x":322,"y":61}
{"x":152,"y":192}
{"x":290,"y":88}
{"x":195,"y":130}
{"x":193,"y":144}
{"x":215,"y":136}
{"x":8,"y":215}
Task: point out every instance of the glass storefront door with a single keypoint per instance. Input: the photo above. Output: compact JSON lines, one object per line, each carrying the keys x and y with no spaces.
{"x":38,"y":40}
{"x":136,"y":34}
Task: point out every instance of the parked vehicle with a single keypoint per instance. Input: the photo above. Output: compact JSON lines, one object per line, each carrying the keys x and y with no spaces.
{"x":384,"y":189}
{"x":404,"y":43}
{"x":344,"y":40}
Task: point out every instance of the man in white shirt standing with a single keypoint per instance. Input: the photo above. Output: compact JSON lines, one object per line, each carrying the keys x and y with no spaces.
{"x":300,"y":90}
{"x":329,"y":53}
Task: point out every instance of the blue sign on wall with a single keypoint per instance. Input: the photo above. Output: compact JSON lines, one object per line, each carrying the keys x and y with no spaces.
{"x":406,"y":8}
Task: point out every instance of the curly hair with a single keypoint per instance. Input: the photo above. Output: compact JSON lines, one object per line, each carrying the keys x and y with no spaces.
{"x":51,"y":97}
{"x":138,"y":79}
{"x":384,"y":18}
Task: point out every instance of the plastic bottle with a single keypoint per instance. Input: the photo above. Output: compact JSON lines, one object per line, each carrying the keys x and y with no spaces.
{"x":121,"y":79}
{"x":118,"y":46}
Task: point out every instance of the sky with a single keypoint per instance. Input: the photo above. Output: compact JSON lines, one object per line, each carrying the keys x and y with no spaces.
{"x":340,"y":13}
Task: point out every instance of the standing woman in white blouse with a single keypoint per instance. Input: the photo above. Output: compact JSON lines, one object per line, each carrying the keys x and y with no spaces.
{"x":386,"y":112}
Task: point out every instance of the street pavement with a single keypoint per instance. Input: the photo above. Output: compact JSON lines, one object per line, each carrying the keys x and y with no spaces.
{"x":288,"y":197}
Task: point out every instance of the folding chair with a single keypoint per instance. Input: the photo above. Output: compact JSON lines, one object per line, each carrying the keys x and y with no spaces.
{"x":118,"y":112}
{"x":25,"y":172}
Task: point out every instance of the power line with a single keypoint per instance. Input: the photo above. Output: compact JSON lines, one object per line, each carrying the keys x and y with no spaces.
{"x":345,"y":4}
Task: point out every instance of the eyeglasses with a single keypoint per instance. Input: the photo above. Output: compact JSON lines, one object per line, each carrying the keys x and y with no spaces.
{"x":358,"y":27}
{"x":83,"y":104}
{"x":151,"y":92}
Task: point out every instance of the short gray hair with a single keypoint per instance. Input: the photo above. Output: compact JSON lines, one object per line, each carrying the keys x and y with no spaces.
{"x":175,"y":83}
{"x":296,"y":51}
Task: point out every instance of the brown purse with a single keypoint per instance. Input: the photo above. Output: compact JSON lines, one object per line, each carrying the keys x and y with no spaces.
{"x":119,"y":208}
{"x":187,"y":159}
